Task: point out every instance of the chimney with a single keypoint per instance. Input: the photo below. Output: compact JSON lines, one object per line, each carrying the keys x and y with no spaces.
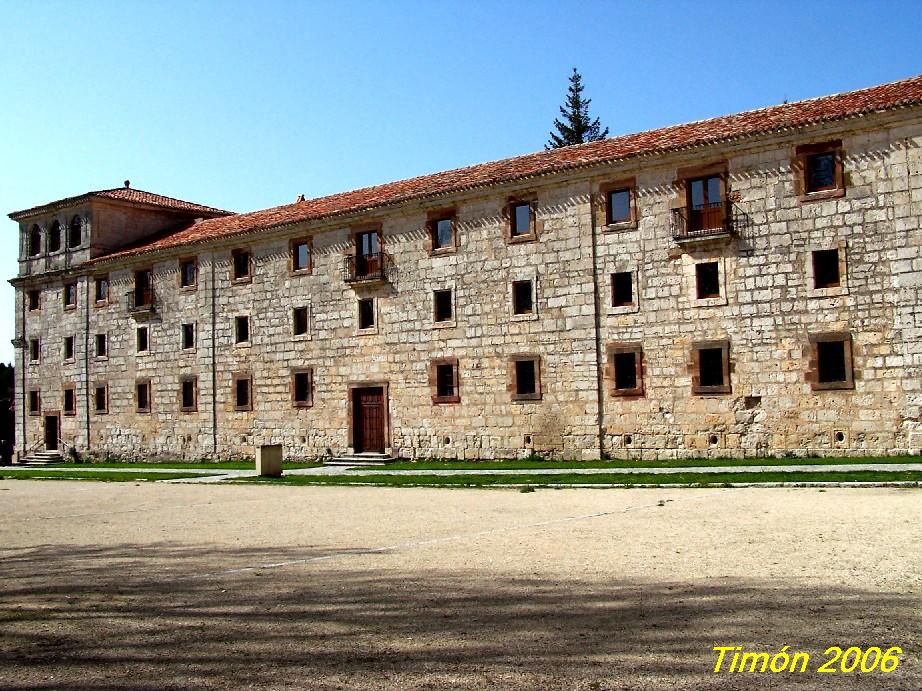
{"x":127,"y":184}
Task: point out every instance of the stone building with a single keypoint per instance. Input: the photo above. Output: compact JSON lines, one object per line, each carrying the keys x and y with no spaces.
{"x":741,"y":286}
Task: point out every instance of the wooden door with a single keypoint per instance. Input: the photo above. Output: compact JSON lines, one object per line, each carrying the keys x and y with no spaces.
{"x":367,"y":253}
{"x":51,"y":432}
{"x":368,"y":419}
{"x":705,"y":204}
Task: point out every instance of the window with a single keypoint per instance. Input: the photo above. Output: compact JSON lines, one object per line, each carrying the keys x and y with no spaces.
{"x":70,"y":295}
{"x":35,"y":300}
{"x":101,"y":290}
{"x":75,"y":232}
{"x":625,"y":369}
{"x":35,"y":241}
{"x":101,"y":398}
{"x":188,"y":336}
{"x":142,"y":396}
{"x":299,"y":321}
{"x":705,"y":203}
{"x":710,"y":367}
{"x":141,"y":339}
{"x":35,"y":350}
{"x":622,"y":289}
{"x":441,"y":230}
{"x":241,"y":329}
{"x":826,"y":269}
{"x":301,"y":256}
{"x":70,"y":400}
{"x":831,"y":362}
{"x":143,"y":288}
{"x":707,"y":280}
{"x":243,"y":391}
{"x":522,"y":302}
{"x":442,"y":307}
{"x":819,"y":171}
{"x":366,"y":310}
{"x":188,"y":394}
{"x":525,"y":377}
{"x":241,"y":262}
{"x":188,"y":273}
{"x":68,"y":347}
{"x":369,"y":261}
{"x":101,"y":345}
{"x":54,"y":237}
{"x":35,"y":402}
{"x":521,"y":220}
{"x":301,"y":388}
{"x":443,"y":381}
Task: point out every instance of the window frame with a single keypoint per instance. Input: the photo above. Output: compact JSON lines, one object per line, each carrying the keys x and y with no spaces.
{"x":54,"y":232}
{"x":810,"y":270}
{"x":137,"y":340}
{"x":800,"y":166}
{"x":105,"y":393}
{"x":619,"y":348}
{"x":183,"y":380}
{"x":373,"y":327}
{"x":622,"y":305}
{"x":433,"y":218}
{"x":183,"y":263}
{"x":813,"y":366}
{"x":67,"y":288}
{"x":628,"y":185}
{"x":73,"y":348}
{"x":434,"y":365}
{"x":71,"y":227}
{"x":35,"y":293}
{"x":97,"y":281}
{"x":182,"y":337}
{"x":248,"y":378}
{"x":513,"y":382}
{"x":35,"y":351}
{"x":293,"y":244}
{"x":309,"y":401}
{"x":534,"y":224}
{"x":238,"y":320}
{"x":514,"y":287}
{"x":72,"y":388}
{"x":138,"y":383}
{"x":694,"y":367}
{"x":306,"y":333}
{"x":248,"y":277}
{"x":34,"y":241}
{"x":34,"y":402}
{"x":105,"y":346}
{"x":447,"y":321}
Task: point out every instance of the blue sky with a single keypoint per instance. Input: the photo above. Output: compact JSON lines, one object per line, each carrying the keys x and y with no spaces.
{"x":246,"y":105}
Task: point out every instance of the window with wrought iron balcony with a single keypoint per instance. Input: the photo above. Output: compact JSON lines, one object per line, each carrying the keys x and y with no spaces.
{"x":706,"y":213}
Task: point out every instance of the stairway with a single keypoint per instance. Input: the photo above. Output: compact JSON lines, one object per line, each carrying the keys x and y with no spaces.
{"x":41,"y":458}
{"x":360,"y":459}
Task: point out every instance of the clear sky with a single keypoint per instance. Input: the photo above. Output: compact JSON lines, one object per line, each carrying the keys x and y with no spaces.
{"x":245,"y":105}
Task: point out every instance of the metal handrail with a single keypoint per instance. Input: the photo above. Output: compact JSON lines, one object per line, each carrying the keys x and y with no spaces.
{"x":683,"y":225}
{"x":140,"y":300}
{"x":366,"y":267}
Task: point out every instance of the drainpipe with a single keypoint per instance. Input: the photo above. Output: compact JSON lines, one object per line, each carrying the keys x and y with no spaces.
{"x":600,"y":384}
{"x":23,"y":444}
{"x":86,"y":361}
{"x":214,"y":370}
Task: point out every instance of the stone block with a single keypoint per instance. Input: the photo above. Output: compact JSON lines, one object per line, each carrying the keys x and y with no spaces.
{"x":269,"y":460}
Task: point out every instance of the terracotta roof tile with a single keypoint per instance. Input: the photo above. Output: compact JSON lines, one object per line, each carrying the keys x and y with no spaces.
{"x":126,"y":194}
{"x":720,"y":129}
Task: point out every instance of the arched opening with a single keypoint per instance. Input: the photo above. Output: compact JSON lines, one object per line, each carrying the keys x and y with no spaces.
{"x":35,"y":241}
{"x":54,"y":237}
{"x":75,"y":232}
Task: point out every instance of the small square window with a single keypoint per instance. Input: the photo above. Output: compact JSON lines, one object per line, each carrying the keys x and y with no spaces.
{"x":526,"y":384}
{"x":35,"y":300}
{"x":242,"y":264}
{"x":443,"y":380}
{"x":622,"y":289}
{"x":831,"y":362}
{"x":299,"y":321}
{"x":618,"y":208}
{"x":625,"y":369}
{"x":707,"y":280}
{"x":442,"y":305}
{"x":241,"y":330}
{"x":68,"y":347}
{"x":142,"y":396}
{"x":522,"y":302}
{"x":821,"y":172}
{"x":301,"y":388}
{"x":243,"y":392}
{"x":711,"y":367}
{"x":101,"y":289}
{"x":101,"y":345}
{"x":70,"y":400}
{"x":101,"y":398}
{"x":141,"y":339}
{"x":70,"y":295}
{"x":188,"y":394}
{"x":826,"y":269}
{"x":35,"y":350}
{"x":301,"y":256}
{"x":35,"y":402}
{"x":188,"y":336}
{"x":442,"y":233}
{"x":188,"y":273}
{"x":366,"y":313}
{"x":522,"y":218}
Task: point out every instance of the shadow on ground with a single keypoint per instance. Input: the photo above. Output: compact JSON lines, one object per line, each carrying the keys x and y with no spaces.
{"x":170,"y":616}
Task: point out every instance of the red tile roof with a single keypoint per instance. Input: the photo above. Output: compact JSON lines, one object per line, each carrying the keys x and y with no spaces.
{"x":721,"y":129}
{"x":126,"y":194}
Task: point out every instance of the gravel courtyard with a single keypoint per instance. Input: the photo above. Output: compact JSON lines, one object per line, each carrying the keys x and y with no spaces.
{"x":160,"y":586}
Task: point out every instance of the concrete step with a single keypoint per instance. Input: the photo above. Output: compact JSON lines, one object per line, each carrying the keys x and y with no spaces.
{"x":40,"y":458}
{"x":360,"y":459}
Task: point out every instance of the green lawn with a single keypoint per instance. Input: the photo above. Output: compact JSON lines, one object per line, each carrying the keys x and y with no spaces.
{"x":7,"y":473}
{"x":180,"y":465}
{"x":703,"y":479}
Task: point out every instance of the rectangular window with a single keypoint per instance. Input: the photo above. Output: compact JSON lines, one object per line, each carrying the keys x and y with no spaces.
{"x":443,"y":234}
{"x":75,"y":233}
{"x":622,"y":289}
{"x":705,"y":204}
{"x":831,"y":362}
{"x":101,"y":398}
{"x":618,"y":206}
{"x":707,"y":280}
{"x":101,"y":350}
{"x":826,"y":269}
{"x":299,"y":321}
{"x":68,"y":347}
{"x":711,"y":367}
{"x":442,"y":308}
{"x":188,"y":336}
{"x":819,"y":170}
{"x":522,"y":302}
{"x":35,"y":350}
{"x":35,"y":300}
{"x":625,"y":369}
{"x":522,"y":219}
{"x":301,"y":388}
{"x":188,"y":394}
{"x":241,"y":330}
{"x":70,"y":400}
{"x":366,"y":313}
{"x":143,"y":288}
{"x":443,"y":380}
{"x":188,"y":273}
{"x":301,"y":256}
{"x":70,"y":295}
{"x":526,"y":382}
{"x":101,"y":289}
{"x":35,"y":402}
{"x":141,"y":340}
{"x":241,"y":265}
{"x":54,"y":237}
{"x":243,"y":392}
{"x":142,"y":396}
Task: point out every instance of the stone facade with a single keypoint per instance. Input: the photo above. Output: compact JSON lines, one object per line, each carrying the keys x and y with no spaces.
{"x":764,"y":315}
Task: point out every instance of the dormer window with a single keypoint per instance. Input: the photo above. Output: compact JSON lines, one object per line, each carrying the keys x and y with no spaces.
{"x":54,"y":237}
{"x":75,"y":233}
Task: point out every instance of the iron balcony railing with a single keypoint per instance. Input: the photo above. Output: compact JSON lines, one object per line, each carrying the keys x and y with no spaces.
{"x":702,"y":221}
{"x":141,"y":300}
{"x":366,"y":267}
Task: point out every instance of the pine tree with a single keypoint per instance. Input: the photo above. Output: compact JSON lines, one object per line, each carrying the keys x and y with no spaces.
{"x":577,"y":128}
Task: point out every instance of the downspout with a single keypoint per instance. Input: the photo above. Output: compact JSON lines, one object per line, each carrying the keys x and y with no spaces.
{"x":86,"y":363}
{"x":214,"y":370}
{"x":23,"y":445}
{"x":600,"y":384}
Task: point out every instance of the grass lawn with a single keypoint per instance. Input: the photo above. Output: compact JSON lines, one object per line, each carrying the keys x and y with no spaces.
{"x":39,"y":473}
{"x":218,"y":465}
{"x":684,"y":463}
{"x":701,"y":479}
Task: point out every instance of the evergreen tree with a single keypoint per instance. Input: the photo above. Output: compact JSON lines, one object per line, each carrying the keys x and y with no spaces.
{"x":577,"y":128}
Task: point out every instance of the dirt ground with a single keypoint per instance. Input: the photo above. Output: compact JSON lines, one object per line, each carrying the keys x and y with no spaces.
{"x":156,"y":586}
